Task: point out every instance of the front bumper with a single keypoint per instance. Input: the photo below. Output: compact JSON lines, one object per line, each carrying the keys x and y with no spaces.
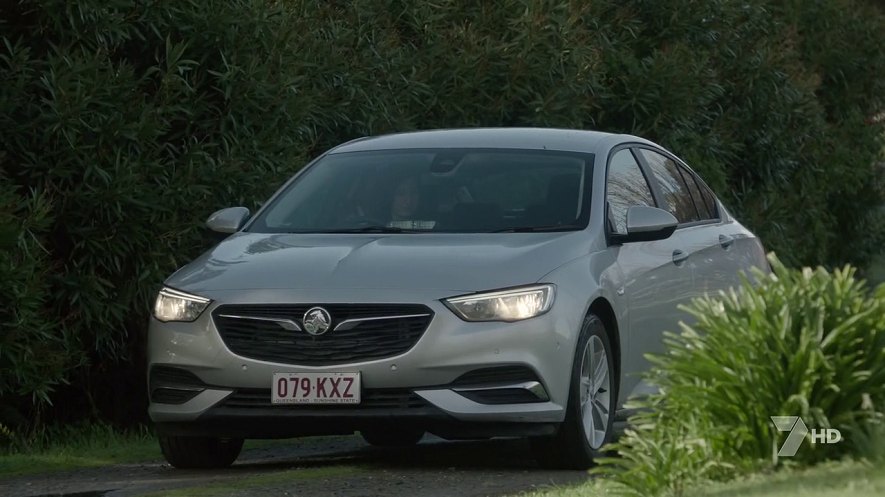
{"x":428,"y":374}
{"x":231,"y":418}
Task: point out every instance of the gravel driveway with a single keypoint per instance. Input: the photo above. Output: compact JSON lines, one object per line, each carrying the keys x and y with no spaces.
{"x":341,"y":466}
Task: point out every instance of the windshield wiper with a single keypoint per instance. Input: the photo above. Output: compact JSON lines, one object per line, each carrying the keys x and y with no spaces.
{"x":371,"y":229}
{"x":539,"y":229}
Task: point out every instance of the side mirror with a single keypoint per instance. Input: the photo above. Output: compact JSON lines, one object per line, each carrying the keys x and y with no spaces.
{"x":645,"y":224}
{"x":228,"y":220}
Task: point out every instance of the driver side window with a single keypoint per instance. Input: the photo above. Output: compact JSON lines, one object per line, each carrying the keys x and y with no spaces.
{"x":626,"y":186}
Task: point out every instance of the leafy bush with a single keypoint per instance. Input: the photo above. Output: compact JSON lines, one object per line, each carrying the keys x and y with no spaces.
{"x":123,"y":123}
{"x":33,"y":353}
{"x":806,"y":343}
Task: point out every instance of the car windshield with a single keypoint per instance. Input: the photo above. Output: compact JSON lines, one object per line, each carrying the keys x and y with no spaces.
{"x":438,"y":190}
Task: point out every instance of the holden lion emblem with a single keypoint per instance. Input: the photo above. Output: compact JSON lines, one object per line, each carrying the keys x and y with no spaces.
{"x":317,"y":321}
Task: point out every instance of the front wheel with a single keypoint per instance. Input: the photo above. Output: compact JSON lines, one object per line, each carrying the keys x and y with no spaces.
{"x":591,"y":405}
{"x":200,"y":452}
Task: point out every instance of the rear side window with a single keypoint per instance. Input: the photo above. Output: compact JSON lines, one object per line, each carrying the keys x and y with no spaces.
{"x":709,"y":198}
{"x":675,"y":193}
{"x":695,"y":190}
{"x":626,"y":186}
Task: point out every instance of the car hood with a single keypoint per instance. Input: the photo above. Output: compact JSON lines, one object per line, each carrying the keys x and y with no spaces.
{"x":456,"y":262}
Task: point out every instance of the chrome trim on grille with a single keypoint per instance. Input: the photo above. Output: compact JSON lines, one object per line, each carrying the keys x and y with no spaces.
{"x":286,"y":324}
{"x":348,"y":324}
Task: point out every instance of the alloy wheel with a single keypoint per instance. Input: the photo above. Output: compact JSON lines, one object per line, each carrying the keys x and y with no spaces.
{"x":595,"y":392}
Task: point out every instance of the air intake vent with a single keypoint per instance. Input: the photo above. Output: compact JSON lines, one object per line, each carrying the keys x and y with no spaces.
{"x":171,"y":385}
{"x":502,"y":396}
{"x":172,"y":395}
{"x":500,"y":375}
{"x":168,"y":375}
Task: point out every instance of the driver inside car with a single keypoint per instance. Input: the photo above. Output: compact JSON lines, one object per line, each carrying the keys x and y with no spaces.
{"x":404,"y":205}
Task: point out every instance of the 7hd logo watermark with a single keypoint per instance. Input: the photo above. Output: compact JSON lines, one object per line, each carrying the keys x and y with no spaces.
{"x":798,"y":431}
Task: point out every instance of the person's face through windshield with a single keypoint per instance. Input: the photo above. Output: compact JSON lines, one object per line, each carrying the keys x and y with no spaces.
{"x":405,"y":200}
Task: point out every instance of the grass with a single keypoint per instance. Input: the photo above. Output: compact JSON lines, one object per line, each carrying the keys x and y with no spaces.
{"x":79,"y":447}
{"x":858,"y":479}
{"x":231,"y":486}
{"x":88,"y":446}
{"x":98,"y":445}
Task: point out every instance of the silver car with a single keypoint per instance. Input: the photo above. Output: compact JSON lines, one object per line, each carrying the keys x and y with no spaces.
{"x":467,"y":283}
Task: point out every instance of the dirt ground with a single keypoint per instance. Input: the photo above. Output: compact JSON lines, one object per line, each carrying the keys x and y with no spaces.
{"x":342,"y":466}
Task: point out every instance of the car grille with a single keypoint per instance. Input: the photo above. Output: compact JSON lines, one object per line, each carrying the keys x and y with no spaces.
{"x":381,"y":398}
{"x":358,"y":332}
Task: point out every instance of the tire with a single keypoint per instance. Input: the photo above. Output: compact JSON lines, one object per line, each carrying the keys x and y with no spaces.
{"x":200,"y":452}
{"x":392,"y":437}
{"x":571,"y":448}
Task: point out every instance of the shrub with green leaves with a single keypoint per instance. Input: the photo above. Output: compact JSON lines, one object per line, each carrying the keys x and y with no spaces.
{"x":122,"y":125}
{"x":807,"y":343}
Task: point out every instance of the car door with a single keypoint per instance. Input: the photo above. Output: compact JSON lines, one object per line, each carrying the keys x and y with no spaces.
{"x":701,"y":230}
{"x":717,"y":240}
{"x":655,"y":276}
{"x":728,"y":253}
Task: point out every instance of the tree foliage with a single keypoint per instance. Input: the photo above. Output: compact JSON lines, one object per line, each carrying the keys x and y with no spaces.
{"x":123,"y":123}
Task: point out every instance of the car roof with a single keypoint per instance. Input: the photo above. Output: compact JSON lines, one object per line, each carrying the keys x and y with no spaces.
{"x":570,"y":140}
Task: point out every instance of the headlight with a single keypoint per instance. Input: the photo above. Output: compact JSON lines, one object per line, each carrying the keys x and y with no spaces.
{"x":173,"y":305}
{"x":505,"y":305}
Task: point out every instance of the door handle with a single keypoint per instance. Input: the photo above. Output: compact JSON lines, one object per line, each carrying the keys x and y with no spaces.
{"x":679,"y":256}
{"x":725,"y":241}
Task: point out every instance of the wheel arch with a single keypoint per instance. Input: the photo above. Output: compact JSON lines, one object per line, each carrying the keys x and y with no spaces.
{"x":601,"y":308}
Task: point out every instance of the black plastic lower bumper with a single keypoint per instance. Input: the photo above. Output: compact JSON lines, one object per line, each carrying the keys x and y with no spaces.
{"x":273,"y":422}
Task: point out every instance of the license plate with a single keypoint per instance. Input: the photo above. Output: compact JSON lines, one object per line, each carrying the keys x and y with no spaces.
{"x":315,"y":388}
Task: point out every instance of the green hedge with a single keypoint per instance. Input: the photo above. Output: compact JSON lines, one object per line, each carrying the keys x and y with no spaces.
{"x":123,"y":123}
